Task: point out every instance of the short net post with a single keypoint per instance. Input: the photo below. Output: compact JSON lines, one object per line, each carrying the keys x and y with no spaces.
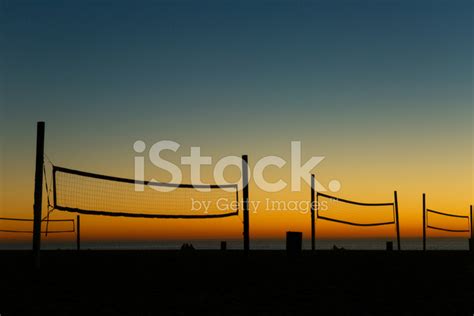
{"x":424,"y":221}
{"x":38,"y":195}
{"x":245,"y":193}
{"x":471,"y":240}
{"x":78,"y":232}
{"x":294,"y":242}
{"x":397,"y":220}
{"x":313,"y":235}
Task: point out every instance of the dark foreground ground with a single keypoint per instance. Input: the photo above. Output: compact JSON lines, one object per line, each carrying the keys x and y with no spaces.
{"x":227,"y":283}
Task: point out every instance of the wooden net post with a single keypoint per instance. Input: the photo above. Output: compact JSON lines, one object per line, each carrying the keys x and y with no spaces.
{"x":397,"y":219}
{"x":78,"y":232}
{"x":424,"y":221}
{"x":38,"y":195}
{"x":313,"y":229}
{"x":245,"y":190}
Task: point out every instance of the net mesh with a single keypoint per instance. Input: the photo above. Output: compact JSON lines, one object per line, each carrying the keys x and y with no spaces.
{"x":88,"y":193}
{"x":354,"y":213}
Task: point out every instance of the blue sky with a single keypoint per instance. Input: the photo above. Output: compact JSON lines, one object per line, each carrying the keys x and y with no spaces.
{"x":178,"y":67}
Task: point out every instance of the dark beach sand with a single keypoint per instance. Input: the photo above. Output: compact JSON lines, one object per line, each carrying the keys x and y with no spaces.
{"x":227,"y":283}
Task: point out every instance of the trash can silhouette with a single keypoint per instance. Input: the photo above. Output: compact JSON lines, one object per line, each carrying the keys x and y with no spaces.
{"x":389,"y":246}
{"x":294,"y":242}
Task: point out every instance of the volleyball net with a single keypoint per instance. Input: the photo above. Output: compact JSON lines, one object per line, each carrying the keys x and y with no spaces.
{"x":97,"y":194}
{"x":438,"y":220}
{"x":25,"y":225}
{"x":446,"y":222}
{"x":328,"y":207}
{"x":353,"y":213}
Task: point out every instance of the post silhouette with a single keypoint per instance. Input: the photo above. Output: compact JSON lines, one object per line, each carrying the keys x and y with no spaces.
{"x":313,"y":228}
{"x":397,"y":219}
{"x":38,"y":195}
{"x":424,"y":222}
{"x":316,"y":211}
{"x":245,"y":193}
{"x":471,"y":240}
{"x":78,"y":232}
{"x":294,"y":242}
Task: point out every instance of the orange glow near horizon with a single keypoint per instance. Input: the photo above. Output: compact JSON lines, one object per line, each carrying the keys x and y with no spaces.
{"x":365,"y":177}
{"x":264,"y":223}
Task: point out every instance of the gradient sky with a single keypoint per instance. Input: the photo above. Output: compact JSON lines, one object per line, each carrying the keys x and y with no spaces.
{"x":382,"y":89}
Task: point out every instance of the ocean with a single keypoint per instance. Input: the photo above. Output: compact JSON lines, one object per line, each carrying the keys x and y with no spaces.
{"x":257,"y":244}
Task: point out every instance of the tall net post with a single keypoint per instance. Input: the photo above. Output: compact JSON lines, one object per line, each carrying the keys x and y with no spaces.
{"x":313,"y":229}
{"x":245,"y":193}
{"x":38,"y":194}
{"x":397,"y":220}
{"x":424,"y":221}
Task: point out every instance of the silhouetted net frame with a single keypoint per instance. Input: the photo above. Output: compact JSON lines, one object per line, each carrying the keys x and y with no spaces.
{"x":72,"y":230}
{"x":351,"y":223}
{"x":428,"y":211}
{"x":96,"y":194}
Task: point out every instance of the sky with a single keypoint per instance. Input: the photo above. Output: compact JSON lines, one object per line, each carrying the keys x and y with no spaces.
{"x":382,"y":89}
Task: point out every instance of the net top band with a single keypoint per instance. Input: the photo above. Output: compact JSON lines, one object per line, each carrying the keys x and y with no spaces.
{"x":353,"y":202}
{"x":447,"y":214}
